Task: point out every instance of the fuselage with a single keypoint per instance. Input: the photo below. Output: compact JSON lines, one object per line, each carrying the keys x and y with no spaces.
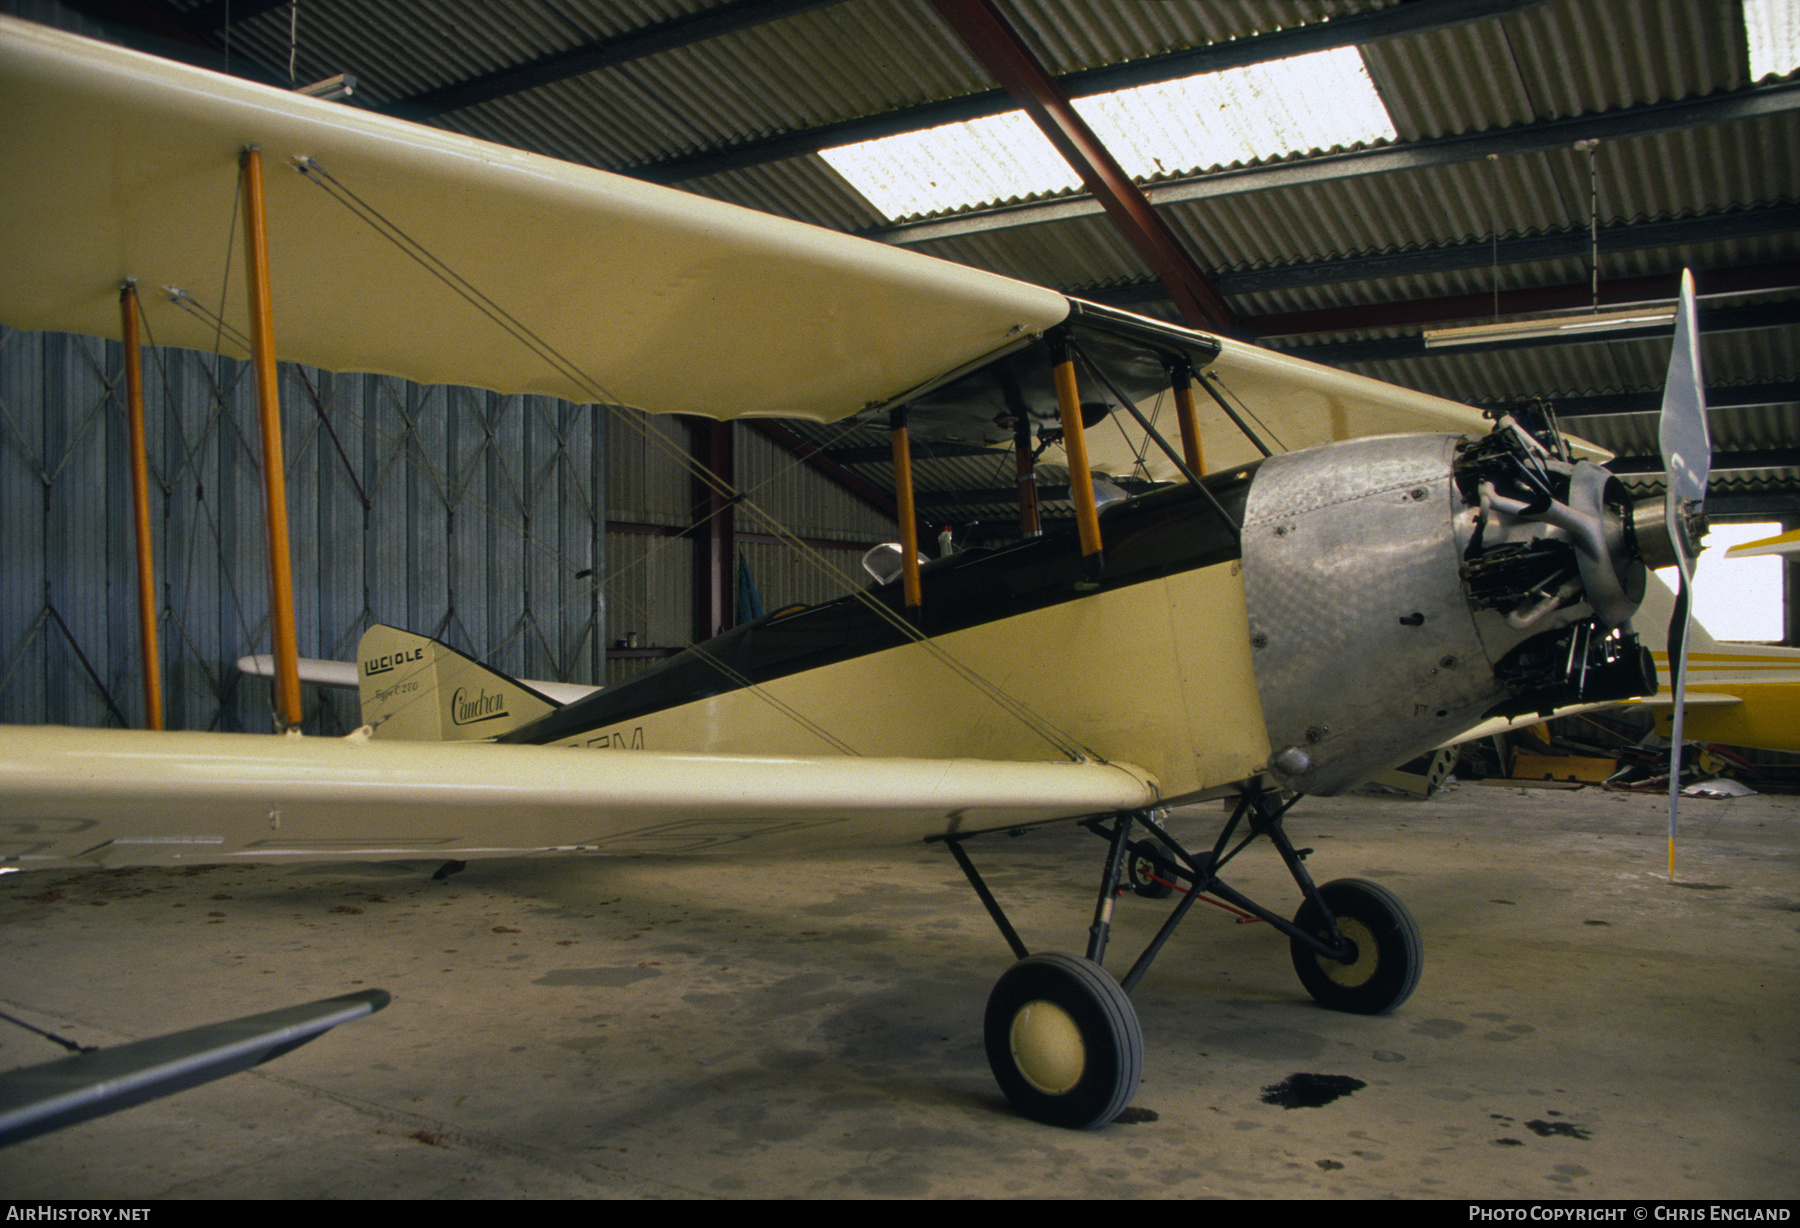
{"x":1012,"y":659}
{"x":1247,"y":626}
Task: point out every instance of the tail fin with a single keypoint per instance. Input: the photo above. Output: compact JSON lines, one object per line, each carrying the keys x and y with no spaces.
{"x":416,"y":689}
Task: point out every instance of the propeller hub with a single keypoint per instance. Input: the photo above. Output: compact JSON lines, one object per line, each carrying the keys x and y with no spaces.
{"x":1649,"y":531}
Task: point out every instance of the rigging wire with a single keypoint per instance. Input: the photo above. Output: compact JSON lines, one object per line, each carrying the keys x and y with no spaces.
{"x":455,"y":496}
{"x":420,"y":254}
{"x":190,"y":462}
{"x":1220,"y":388}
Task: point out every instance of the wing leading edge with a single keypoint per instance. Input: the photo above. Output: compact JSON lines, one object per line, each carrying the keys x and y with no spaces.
{"x":121,"y":165}
{"x":121,"y":797}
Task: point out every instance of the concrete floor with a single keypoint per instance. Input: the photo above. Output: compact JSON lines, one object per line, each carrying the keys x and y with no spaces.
{"x":694,"y":1029}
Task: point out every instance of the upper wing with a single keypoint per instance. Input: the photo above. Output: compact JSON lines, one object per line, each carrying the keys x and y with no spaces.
{"x":121,"y":797}
{"x":1291,"y":404}
{"x":120,"y":165}
{"x":1297,"y":404}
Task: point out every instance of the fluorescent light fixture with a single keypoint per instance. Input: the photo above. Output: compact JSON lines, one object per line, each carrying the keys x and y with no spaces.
{"x":1303,"y":103}
{"x":331,"y":89}
{"x":1550,"y":326}
{"x":1772,"y":28}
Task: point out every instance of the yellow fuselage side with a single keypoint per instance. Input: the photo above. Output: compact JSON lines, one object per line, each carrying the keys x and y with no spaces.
{"x":1156,"y":674}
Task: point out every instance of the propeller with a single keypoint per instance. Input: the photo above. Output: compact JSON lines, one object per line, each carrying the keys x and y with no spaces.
{"x":1687,"y":458}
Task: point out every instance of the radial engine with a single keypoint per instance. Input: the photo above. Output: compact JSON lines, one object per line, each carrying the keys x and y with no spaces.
{"x":1403,"y":589}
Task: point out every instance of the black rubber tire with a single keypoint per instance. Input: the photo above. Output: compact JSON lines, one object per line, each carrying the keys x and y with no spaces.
{"x":1093,"y":1050}
{"x":1389,"y":955}
{"x":1144,"y":859}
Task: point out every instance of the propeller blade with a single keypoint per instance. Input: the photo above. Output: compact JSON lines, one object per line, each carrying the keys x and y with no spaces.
{"x":1686,"y":441}
{"x":1687,"y":458}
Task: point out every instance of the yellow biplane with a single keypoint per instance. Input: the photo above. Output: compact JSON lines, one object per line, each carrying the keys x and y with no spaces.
{"x":1290,"y":623}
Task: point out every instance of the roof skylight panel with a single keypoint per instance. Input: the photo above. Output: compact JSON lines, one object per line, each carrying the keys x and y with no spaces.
{"x":1772,"y":28}
{"x":936,"y":170}
{"x":1297,"y":105}
{"x":1304,"y":103}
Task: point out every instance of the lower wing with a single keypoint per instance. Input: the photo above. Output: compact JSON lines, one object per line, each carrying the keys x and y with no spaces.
{"x":102,"y":797}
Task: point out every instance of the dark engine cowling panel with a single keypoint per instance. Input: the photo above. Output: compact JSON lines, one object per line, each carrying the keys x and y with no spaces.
{"x":1403,"y":589}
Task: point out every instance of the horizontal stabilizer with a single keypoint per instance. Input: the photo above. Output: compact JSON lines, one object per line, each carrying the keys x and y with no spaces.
{"x":39,"y":1099}
{"x":312,"y":669}
{"x":321,"y":672}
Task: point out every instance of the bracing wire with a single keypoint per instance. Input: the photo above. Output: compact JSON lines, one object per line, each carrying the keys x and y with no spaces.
{"x":494,"y":513}
{"x":191,"y":448}
{"x":565,"y":366}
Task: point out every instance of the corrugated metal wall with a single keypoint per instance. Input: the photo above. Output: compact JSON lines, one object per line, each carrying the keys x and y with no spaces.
{"x":788,"y":492}
{"x":650,"y":576}
{"x":653,"y":496}
{"x":457,"y":512}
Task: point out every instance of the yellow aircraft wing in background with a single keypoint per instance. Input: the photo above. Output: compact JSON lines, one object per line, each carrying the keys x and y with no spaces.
{"x":1781,"y":543}
{"x":1737,"y":694}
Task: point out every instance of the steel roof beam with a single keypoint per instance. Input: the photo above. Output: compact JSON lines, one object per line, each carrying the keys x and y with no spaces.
{"x":1615,"y":404}
{"x":214,"y":16}
{"x":601,"y":53}
{"x":1479,"y":254}
{"x":1773,"y":277}
{"x":1356,"y":29}
{"x":1654,"y":119}
{"x":998,"y":46}
{"x":1767,"y":458}
{"x":1753,"y":505}
{"x":1712,"y":320}
{"x":156,"y":27}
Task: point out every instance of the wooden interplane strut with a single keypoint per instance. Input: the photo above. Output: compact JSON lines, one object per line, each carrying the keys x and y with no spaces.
{"x":140,"y":505}
{"x":268,"y":404}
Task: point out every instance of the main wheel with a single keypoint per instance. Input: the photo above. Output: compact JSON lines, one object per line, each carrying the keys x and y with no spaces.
{"x":1389,"y":953}
{"x":1146,"y":864}
{"x":1063,"y":1041}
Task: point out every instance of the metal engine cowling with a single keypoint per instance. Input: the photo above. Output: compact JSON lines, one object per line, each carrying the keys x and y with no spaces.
{"x":1402,"y":589}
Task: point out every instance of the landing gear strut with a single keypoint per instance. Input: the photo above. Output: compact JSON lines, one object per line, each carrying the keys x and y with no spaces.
{"x":1061,"y":1034}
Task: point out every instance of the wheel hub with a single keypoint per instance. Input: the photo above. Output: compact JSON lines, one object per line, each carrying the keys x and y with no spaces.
{"x":1362,"y":962}
{"x":1047,"y":1047}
